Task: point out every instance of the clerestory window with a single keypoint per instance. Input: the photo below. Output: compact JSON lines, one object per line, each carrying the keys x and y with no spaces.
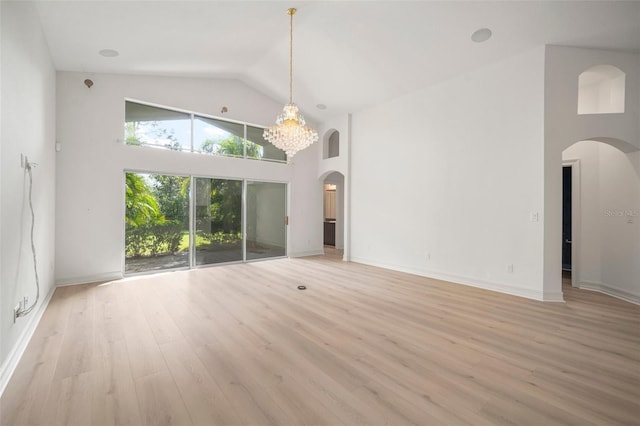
{"x":165,"y":128}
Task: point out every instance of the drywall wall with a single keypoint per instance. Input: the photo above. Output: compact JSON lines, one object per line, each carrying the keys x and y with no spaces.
{"x":27,"y":127}
{"x":609,"y":212}
{"x":445,"y":181}
{"x":90,"y":186}
{"x":305,"y":216}
{"x":564,"y":127}
{"x":340,"y":164}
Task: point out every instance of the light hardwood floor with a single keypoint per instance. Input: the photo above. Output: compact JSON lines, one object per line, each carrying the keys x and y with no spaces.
{"x":240,"y":344}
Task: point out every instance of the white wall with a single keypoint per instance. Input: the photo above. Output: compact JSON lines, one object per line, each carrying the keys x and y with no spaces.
{"x":564,"y":127}
{"x":609,"y":212}
{"x":305,"y":216}
{"x":444,"y":180}
{"x":27,"y":126}
{"x":341,"y":165}
{"x":90,"y":186}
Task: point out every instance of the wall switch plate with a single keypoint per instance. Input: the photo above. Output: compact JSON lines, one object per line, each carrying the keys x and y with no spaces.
{"x":510,"y":268}
{"x":533,"y":216}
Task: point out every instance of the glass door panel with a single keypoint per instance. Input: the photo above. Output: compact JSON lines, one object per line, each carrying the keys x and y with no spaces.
{"x":218,"y":220}
{"x":156,"y":222}
{"x":266,"y":232}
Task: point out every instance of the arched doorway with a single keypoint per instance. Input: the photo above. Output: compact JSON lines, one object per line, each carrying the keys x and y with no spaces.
{"x":601,"y":191}
{"x":333,"y":217}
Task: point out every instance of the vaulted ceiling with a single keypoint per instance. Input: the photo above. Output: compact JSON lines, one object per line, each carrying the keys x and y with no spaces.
{"x":347,"y":54}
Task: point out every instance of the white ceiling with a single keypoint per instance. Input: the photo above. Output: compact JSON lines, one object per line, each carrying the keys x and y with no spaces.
{"x":348,"y":54}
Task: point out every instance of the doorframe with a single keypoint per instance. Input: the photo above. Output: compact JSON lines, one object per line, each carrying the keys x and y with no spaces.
{"x":341,"y":213}
{"x":574,"y":164}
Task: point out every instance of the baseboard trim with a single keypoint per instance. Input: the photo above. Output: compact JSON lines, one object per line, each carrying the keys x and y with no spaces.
{"x":107,"y":276}
{"x":552,"y":297}
{"x":9,"y":365}
{"x":307,"y":253}
{"x":610,"y":291}
{"x":468,"y":281}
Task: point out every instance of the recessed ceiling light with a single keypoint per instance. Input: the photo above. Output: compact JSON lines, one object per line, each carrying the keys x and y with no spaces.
{"x":481,"y":35}
{"x":109,"y":53}
{"x":321,"y":106}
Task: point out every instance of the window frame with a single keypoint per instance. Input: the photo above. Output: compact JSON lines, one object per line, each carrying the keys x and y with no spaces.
{"x":193,"y":115}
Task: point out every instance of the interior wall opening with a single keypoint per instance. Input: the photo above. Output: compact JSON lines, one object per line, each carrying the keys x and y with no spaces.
{"x":601,"y":90}
{"x":601,"y":203}
{"x":333,"y":211}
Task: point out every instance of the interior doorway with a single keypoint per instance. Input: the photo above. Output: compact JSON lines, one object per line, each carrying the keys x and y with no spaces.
{"x":570,"y":221}
{"x":566,"y":224}
{"x":333,"y":211}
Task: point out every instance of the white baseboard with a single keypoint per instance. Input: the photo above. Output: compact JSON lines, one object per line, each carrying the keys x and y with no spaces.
{"x":107,"y":276}
{"x":307,"y":253}
{"x":610,"y":291}
{"x":548,"y":296}
{"x":9,"y":365}
{"x":472,"y":282}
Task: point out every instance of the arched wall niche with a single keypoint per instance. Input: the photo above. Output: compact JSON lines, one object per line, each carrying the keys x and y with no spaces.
{"x":331,"y":144}
{"x":601,"y":90}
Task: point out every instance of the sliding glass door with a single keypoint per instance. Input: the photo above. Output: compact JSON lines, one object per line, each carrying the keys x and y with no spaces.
{"x":218,"y":221}
{"x":156,"y":222}
{"x":174,"y":222}
{"x":266,"y":216}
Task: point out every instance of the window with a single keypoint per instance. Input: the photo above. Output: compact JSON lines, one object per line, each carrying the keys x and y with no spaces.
{"x":259,"y":147}
{"x":218,"y":137}
{"x":157,"y":127}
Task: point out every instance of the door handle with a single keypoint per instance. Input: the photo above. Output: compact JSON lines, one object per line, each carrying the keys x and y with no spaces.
{"x":568,"y":241}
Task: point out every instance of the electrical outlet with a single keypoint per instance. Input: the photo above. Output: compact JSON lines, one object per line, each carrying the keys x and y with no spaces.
{"x":25,"y":302}
{"x":427,"y":256}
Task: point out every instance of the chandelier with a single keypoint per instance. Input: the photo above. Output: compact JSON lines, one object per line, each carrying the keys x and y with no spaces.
{"x":290,"y":133}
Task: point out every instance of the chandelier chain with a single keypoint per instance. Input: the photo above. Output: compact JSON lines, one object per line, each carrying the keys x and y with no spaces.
{"x":291,"y":12}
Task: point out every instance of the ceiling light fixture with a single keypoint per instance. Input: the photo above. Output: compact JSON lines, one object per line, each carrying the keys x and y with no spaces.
{"x":109,"y":53}
{"x":290,"y":133}
{"x":481,"y":35}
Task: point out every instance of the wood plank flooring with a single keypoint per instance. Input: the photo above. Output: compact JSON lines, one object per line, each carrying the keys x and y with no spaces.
{"x":239,"y":344}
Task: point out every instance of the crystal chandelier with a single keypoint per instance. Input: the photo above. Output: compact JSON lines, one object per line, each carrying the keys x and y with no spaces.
{"x":290,"y":133}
